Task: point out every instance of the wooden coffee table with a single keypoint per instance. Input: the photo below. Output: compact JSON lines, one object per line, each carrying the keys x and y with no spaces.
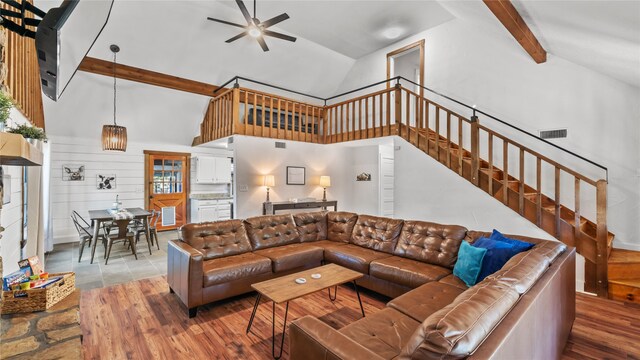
{"x":285,"y":289}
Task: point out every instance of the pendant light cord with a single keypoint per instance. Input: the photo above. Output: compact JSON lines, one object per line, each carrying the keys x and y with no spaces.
{"x":254,"y":9}
{"x":114,"y":88}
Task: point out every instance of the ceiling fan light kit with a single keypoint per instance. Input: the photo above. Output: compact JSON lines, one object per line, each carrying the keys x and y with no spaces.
{"x":255,"y":28}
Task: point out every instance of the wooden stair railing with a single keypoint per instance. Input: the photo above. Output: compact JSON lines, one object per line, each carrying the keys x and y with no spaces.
{"x":507,"y":170}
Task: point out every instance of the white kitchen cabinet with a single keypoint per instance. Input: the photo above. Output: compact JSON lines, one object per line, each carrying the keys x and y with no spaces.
{"x":213,"y":170}
{"x":223,"y":170}
{"x":210,"y":210}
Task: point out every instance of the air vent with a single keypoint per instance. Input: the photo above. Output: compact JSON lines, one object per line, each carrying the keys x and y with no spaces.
{"x":281,"y":145}
{"x":169,"y":216}
{"x":553,"y":134}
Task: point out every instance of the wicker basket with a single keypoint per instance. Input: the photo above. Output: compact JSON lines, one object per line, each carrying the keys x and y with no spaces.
{"x":25,"y":301}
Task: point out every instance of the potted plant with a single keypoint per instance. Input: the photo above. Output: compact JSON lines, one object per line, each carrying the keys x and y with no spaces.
{"x":31,"y":133}
{"x":6,"y":104}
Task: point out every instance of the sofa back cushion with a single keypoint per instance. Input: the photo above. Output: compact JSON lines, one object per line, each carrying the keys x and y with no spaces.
{"x":340,"y":225}
{"x":377,"y":233}
{"x":311,"y":226}
{"x":456,"y":330}
{"x":523,"y":270}
{"x":430,"y":242}
{"x":271,"y":230}
{"x":216,"y":239}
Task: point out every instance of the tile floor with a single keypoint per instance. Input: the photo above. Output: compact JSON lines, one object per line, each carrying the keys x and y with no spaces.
{"x":122,"y":266}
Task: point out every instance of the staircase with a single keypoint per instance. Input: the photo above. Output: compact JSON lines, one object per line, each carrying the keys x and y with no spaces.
{"x":472,"y":150}
{"x":624,"y":275}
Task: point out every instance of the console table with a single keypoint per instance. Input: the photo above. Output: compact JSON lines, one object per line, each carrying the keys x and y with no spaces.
{"x":270,"y":208}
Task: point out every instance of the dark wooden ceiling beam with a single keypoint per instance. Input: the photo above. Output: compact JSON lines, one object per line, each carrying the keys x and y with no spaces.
{"x":103,"y":67}
{"x":511,"y":19}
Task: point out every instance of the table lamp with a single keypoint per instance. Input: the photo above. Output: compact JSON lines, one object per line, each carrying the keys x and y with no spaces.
{"x":325,"y":182}
{"x":269,"y":182}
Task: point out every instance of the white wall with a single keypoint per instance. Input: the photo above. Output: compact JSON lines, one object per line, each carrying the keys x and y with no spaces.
{"x":128,"y":167}
{"x":486,"y":67}
{"x":256,"y":157}
{"x":11,"y":213}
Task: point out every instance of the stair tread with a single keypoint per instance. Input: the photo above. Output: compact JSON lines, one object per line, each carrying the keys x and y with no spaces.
{"x":621,"y":256}
{"x":626,"y":282}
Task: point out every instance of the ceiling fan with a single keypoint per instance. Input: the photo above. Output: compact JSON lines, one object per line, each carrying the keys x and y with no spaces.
{"x":255,"y":28}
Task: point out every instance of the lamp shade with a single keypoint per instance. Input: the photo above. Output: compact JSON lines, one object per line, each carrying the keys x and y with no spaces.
{"x":114,"y":137}
{"x":325,"y":181}
{"x":269,"y":181}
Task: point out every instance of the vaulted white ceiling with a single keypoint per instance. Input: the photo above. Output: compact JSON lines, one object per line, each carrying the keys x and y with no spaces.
{"x":352,"y":28}
{"x":174,"y":37}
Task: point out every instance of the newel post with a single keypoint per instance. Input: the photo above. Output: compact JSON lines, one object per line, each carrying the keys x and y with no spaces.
{"x":235,"y":106}
{"x":398,"y":107}
{"x":602,"y":237}
{"x":475,"y":150}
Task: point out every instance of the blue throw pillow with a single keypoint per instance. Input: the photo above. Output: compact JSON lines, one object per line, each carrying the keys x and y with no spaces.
{"x":521,"y":245}
{"x":469,"y":263}
{"x":498,"y":253}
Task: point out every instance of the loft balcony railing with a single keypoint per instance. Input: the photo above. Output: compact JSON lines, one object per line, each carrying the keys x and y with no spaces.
{"x":557,"y":198}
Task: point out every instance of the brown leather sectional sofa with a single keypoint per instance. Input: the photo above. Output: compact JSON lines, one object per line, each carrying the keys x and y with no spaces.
{"x":525,"y":310}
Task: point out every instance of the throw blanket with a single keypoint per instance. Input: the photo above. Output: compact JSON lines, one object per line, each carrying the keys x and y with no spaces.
{"x":121,"y":214}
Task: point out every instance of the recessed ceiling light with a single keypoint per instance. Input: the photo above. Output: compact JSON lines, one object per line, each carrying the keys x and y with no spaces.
{"x":393,"y":32}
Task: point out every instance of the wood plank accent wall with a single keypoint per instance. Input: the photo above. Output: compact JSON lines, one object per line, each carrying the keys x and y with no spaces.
{"x":20,"y":74}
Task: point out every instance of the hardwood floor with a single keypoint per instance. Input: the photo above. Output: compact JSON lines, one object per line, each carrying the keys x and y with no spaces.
{"x":141,"y":320}
{"x":604,"y":329}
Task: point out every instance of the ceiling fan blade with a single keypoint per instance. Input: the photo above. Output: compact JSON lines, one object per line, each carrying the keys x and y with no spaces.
{"x":262,"y":43}
{"x":279,"y":35}
{"x":228,"y":23}
{"x":274,"y":20}
{"x":242,"y":34}
{"x":245,"y":12}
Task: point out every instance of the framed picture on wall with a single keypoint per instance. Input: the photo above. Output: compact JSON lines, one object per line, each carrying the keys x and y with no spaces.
{"x":106,"y":182}
{"x":72,"y":172}
{"x":296,"y":175}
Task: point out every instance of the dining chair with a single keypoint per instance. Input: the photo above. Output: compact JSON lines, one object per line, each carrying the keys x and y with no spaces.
{"x":153,"y":230}
{"x":85,"y":233}
{"x":123,"y":234}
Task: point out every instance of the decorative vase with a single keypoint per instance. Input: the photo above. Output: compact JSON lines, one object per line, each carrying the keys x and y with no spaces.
{"x":33,"y":142}
{"x":2,"y":126}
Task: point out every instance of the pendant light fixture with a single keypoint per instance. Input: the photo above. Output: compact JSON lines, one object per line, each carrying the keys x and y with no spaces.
{"x":114,"y":137}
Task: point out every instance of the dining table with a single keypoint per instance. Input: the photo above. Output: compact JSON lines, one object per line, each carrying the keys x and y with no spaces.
{"x":98,"y":217}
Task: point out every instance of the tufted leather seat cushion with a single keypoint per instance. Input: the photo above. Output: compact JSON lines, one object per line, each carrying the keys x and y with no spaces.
{"x":460,"y":327}
{"x":292,"y":256}
{"x":340,"y":225}
{"x":377,"y":233}
{"x":230,"y":268}
{"x":216,"y":239}
{"x":271,"y":230}
{"x":454,"y":281}
{"x":384,"y":332}
{"x":406,"y":272}
{"x":311,"y":226}
{"x":420,"y":303}
{"x":430,"y":242}
{"x":353,"y":257}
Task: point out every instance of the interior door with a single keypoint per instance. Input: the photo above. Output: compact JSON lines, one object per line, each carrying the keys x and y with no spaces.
{"x":167,"y":177}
